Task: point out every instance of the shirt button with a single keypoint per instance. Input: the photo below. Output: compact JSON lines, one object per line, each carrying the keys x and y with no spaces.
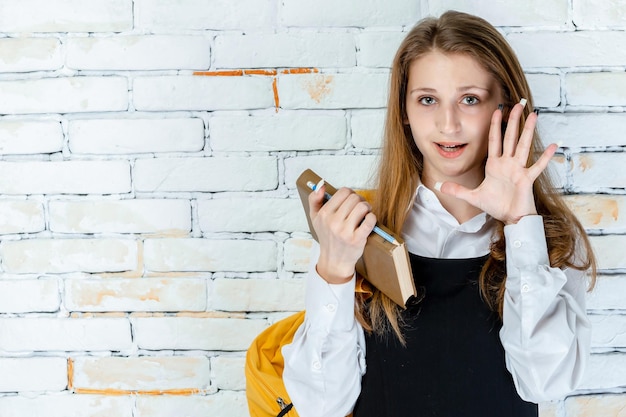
{"x":517,"y":244}
{"x":525,"y":288}
{"x":317,"y":365}
{"x":331,"y":308}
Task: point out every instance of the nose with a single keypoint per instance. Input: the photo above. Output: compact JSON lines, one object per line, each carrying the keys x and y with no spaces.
{"x":448,"y":121}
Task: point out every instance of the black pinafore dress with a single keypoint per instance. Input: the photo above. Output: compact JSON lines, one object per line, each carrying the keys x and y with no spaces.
{"x":453,"y":361}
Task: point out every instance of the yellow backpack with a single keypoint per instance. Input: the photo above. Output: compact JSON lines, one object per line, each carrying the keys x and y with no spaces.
{"x":265,"y":390}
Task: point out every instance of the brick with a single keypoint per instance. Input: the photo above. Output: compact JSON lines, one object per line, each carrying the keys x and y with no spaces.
{"x":68,"y":255}
{"x":348,"y":13}
{"x":166,"y":93}
{"x":593,"y":48}
{"x":599,"y":170}
{"x":206,"y":174}
{"x":139,"y":52}
{"x":33,"y":374}
{"x":595,"y":405}
{"x":135,"y":294}
{"x":163,"y":15}
{"x":583,"y":129}
{"x":64,"y":95}
{"x":30,"y":54}
{"x":546,"y":89}
{"x":377,"y":49}
{"x":599,"y":15}
{"x":21,"y":216}
{"x":64,"y":334}
{"x":66,"y":405}
{"x":340,"y":171}
{"x":297,"y":253}
{"x":163,"y":255}
{"x":596,"y":89}
{"x":333,"y":91}
{"x":141,"y":373}
{"x":553,"y":13}
{"x":251,"y":215}
{"x":278,"y":50}
{"x":367,"y":129}
{"x":609,"y":251}
{"x":605,"y":371}
{"x":66,"y":16}
{"x":608,"y":293}
{"x":228,"y":372}
{"x":29,"y":296}
{"x":257,"y":294}
{"x":30,"y":137}
{"x":128,"y":136}
{"x":66,"y":177}
{"x":608,"y":331}
{"x":291,"y":131}
{"x":222,"y":404}
{"x":196,"y":333}
{"x":121,"y":216}
{"x":598,"y":211}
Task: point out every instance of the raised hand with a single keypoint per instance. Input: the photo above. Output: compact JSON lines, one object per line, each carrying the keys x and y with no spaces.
{"x":506,"y":193}
{"x":342,"y":225}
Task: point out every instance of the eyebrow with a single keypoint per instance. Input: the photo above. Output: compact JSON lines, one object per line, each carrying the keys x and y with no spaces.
{"x":461,"y":89}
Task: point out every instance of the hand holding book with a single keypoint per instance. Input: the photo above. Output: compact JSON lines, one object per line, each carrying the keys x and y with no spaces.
{"x":345,"y":226}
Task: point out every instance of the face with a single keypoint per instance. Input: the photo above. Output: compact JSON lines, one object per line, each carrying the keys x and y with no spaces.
{"x":450,"y":101}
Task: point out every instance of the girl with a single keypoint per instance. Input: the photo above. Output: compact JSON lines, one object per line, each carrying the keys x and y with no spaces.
{"x":499,"y":258}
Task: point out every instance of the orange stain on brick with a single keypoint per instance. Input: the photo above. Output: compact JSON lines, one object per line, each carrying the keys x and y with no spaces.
{"x":261,"y":72}
{"x":585,"y":163}
{"x":300,"y":71}
{"x":152,"y":295}
{"x":70,"y":374}
{"x":602,"y":207}
{"x":275,"y":90}
{"x":319,"y":87}
{"x":597,"y":211}
{"x":117,"y":392}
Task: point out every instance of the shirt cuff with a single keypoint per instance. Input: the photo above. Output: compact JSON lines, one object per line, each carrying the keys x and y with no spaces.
{"x":526,"y":243}
{"x":329,"y":307}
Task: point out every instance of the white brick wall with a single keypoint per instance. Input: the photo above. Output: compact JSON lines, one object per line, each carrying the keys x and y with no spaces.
{"x":149,"y":223}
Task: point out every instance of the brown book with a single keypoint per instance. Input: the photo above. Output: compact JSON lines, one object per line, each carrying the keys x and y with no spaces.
{"x":384,"y":264}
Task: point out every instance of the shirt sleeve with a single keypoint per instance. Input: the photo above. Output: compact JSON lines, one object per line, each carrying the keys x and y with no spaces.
{"x":546,"y":333}
{"x":326,"y":359}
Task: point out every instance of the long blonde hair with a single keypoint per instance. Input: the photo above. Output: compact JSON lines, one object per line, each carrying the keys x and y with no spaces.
{"x":401,"y":162}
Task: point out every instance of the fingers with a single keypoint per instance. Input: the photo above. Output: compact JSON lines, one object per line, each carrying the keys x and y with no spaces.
{"x":366,"y":227}
{"x":511,"y":133}
{"x":525,"y":141}
{"x":344,"y":211}
{"x":542,"y":163}
{"x":316,"y":201}
{"x":495,"y":134}
{"x":459,"y":191}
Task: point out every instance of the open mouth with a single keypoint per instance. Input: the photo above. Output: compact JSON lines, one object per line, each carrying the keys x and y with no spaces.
{"x":451,"y":148}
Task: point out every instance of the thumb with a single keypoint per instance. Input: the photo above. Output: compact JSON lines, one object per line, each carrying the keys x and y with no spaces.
{"x":454,"y":189}
{"x":316,"y":201}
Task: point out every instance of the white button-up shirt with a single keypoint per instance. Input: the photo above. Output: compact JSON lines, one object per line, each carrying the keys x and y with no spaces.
{"x":545,"y":333}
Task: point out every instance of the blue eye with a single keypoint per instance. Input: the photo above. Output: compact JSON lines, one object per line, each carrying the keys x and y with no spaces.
{"x":427,"y":101}
{"x":470,"y":100}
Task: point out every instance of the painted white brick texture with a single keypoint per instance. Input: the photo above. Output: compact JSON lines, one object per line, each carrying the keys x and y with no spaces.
{"x":150,"y":225}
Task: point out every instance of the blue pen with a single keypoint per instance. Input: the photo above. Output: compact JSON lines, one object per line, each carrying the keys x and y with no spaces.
{"x":380,"y":232}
